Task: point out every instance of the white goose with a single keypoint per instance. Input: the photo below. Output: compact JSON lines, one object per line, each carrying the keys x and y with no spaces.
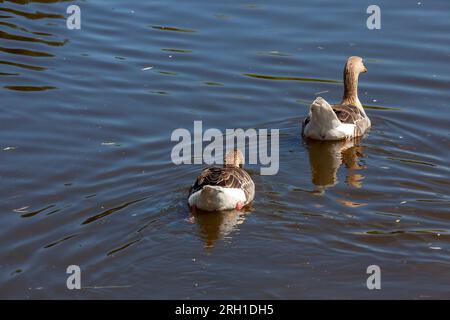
{"x":223,"y":188}
{"x":340,"y":121}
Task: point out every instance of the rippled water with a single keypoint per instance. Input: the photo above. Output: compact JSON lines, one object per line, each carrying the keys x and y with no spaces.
{"x":86,"y":176}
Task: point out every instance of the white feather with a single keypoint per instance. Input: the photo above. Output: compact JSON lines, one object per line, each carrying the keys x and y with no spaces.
{"x":216,"y":198}
{"x":324,"y":124}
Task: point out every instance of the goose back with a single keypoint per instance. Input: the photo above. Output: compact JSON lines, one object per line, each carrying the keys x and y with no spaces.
{"x":226,"y":177}
{"x":351,"y":114}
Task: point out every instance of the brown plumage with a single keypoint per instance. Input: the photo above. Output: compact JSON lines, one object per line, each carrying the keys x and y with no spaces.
{"x":226,"y":177}
{"x":348,"y":113}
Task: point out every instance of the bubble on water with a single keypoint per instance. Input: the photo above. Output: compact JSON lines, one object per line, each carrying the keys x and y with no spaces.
{"x":111,"y":143}
{"x":22,"y":210}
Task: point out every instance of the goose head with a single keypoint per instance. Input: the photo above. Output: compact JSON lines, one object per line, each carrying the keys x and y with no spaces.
{"x":234,"y":158}
{"x":355,"y":65}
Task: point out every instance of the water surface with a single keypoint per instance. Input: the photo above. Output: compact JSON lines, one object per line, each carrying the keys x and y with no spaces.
{"x":86,"y":176}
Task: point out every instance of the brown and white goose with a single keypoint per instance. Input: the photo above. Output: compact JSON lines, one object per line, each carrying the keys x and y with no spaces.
{"x":340,"y":121}
{"x":223,"y":188}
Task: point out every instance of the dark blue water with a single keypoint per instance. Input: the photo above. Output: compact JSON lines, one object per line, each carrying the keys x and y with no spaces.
{"x":86,"y":176}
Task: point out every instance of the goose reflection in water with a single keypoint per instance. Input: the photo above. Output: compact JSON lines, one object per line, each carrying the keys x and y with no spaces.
{"x":325,"y":158}
{"x":214,"y":226}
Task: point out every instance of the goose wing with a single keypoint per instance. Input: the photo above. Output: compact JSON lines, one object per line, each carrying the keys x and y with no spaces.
{"x":347,"y":113}
{"x":226,"y":177}
{"x":352,"y":114}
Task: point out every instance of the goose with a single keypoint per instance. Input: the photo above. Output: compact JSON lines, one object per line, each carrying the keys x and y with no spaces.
{"x":346,"y":120}
{"x":223,"y":188}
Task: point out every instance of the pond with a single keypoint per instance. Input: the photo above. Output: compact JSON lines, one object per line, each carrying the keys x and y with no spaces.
{"x":87,"y":179}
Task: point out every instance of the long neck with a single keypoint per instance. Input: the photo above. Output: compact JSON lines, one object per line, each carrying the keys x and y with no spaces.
{"x":351,"y":88}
